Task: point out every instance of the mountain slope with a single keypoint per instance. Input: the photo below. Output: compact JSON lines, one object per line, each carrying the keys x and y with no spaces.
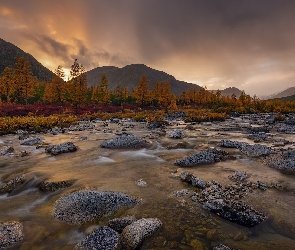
{"x":231,"y":90}
{"x":9,"y":53}
{"x":130,"y":76}
{"x":285,"y":93}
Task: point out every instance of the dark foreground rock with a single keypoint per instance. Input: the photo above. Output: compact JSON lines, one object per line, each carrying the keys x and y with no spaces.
{"x":86,"y":205}
{"x":246,"y":148}
{"x":208,"y":156}
{"x":118,"y":224}
{"x":61,"y":148}
{"x":12,"y":184}
{"x":125,"y":141}
{"x":103,"y":238}
{"x":6,"y":150}
{"x":134,"y":234}
{"x":10,"y":233}
{"x":31,"y":141}
{"x":222,"y":202}
{"x":175,"y":134}
{"x":223,"y":247}
{"x":191,"y":179}
{"x":284,"y":161}
{"x":47,"y":186}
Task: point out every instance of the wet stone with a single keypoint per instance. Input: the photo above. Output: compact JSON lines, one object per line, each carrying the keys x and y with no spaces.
{"x":103,"y":238}
{"x":208,"y":156}
{"x":86,"y":205}
{"x":223,"y":247}
{"x":125,"y":141}
{"x":32,"y":141}
{"x":61,"y":148}
{"x":118,"y":224}
{"x":10,"y":233}
{"x":12,"y":184}
{"x":6,"y":150}
{"x":191,"y":179}
{"x":175,"y":134}
{"x":46,"y":186}
{"x":134,"y":234}
{"x":239,"y":176}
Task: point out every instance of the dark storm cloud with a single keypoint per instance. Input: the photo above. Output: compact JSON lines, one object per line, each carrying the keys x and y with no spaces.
{"x":217,"y":43}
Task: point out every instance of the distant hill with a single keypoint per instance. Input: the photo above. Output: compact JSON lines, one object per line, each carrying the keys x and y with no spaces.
{"x":229,"y":91}
{"x":286,"y":93}
{"x":130,"y":76}
{"x":9,"y":53}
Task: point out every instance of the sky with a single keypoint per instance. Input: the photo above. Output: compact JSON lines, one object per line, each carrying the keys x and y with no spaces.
{"x":248,"y":44}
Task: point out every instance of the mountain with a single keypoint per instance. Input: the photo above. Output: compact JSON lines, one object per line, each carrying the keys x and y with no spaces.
{"x":231,"y":90}
{"x":130,"y":76}
{"x":9,"y":53}
{"x":286,"y":93}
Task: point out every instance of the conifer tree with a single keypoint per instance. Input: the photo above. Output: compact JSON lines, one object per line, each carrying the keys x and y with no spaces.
{"x":24,"y":83}
{"x":7,"y":84}
{"x":78,"y":84}
{"x":142,"y":92}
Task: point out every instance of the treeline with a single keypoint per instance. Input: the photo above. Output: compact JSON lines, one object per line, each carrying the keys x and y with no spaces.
{"x":18,"y":86}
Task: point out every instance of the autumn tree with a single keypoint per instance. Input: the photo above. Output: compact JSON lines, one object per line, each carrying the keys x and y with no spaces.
{"x":24,"y":82}
{"x":55,"y":90}
{"x":101,"y":94}
{"x":142,"y":92}
{"x":7,"y":85}
{"x":77,"y":86}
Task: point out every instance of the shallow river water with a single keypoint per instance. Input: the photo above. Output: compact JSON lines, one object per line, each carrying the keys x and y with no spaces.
{"x":186,"y":225}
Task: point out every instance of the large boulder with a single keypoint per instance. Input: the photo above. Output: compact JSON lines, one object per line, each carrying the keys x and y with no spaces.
{"x":134,"y":234}
{"x":61,"y":148}
{"x":10,"y":233}
{"x":103,"y":238}
{"x":125,"y":141}
{"x":208,"y":156}
{"x":86,"y":205}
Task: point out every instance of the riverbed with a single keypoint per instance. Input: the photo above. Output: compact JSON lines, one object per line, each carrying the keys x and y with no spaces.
{"x":186,"y":224}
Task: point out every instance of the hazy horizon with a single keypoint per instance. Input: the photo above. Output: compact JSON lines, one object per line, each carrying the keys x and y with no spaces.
{"x":218,"y":44}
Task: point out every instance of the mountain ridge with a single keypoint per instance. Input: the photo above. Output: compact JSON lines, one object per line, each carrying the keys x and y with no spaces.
{"x":9,"y":53}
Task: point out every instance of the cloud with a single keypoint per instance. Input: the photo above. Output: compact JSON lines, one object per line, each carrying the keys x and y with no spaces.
{"x":194,"y":40}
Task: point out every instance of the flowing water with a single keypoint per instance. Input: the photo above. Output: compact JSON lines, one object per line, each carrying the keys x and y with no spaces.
{"x":186,"y":225}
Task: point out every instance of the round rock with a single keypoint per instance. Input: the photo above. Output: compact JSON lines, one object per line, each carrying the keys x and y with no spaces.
{"x":86,"y":205}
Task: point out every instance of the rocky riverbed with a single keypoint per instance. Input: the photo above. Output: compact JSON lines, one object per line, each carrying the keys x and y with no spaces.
{"x":121,"y":184}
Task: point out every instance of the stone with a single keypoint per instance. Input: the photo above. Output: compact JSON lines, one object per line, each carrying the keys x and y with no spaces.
{"x":61,"y":148}
{"x":191,"y":179}
{"x":86,"y":205}
{"x":208,"y":156}
{"x":6,"y":150}
{"x":12,"y":184}
{"x":118,"y":224}
{"x":10,"y":233}
{"x":103,"y":238}
{"x":47,"y":186}
{"x":125,"y":141}
{"x":239,"y":176}
{"x":175,"y":134}
{"x":134,"y":234}
{"x":32,"y":141}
